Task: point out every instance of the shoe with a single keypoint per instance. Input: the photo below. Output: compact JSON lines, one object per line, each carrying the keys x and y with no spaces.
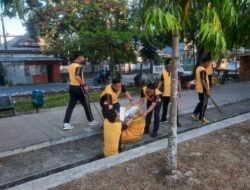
{"x":93,"y":123}
{"x":194,"y":117}
{"x":67,"y":126}
{"x":204,"y":121}
{"x":146,"y":130}
{"x":154,"y":134}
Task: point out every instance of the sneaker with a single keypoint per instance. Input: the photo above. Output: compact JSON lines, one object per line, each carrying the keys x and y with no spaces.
{"x":146,"y":130}
{"x":67,"y":126}
{"x":204,"y":121}
{"x":194,"y":117}
{"x":93,"y":123}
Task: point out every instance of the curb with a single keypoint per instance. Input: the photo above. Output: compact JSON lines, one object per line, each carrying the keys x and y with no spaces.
{"x":212,"y":106}
{"x":49,"y":143}
{"x":91,"y":132}
{"x":66,"y":176}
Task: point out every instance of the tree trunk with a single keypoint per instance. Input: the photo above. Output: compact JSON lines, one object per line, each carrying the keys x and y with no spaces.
{"x":112,"y":64}
{"x":171,"y":162}
{"x":4,"y":35}
{"x":151,"y":62}
{"x":200,"y":53}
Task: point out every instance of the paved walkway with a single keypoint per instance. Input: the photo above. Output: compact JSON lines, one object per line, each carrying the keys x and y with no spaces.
{"x":31,"y":131}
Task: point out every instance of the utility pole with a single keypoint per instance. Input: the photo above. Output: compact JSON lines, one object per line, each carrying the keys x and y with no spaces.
{"x":4,"y":34}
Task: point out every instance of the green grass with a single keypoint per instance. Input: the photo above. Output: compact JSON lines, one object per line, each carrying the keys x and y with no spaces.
{"x":24,"y":104}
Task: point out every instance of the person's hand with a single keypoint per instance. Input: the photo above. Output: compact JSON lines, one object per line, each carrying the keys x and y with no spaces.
{"x":86,"y":88}
{"x":131,"y":101}
{"x":208,"y":93}
{"x":117,"y":114}
{"x":179,"y":94}
{"x":144,"y":114}
{"x":110,"y":107}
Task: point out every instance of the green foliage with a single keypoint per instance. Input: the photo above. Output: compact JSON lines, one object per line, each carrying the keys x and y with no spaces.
{"x":18,"y":8}
{"x":238,"y":33}
{"x":13,"y":7}
{"x":158,"y":22}
{"x":214,"y":26}
{"x":211,"y":34}
{"x":150,"y":43}
{"x":24,"y":104}
{"x":69,"y":25}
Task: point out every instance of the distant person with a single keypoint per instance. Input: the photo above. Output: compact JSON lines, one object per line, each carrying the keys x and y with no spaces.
{"x":107,"y":73}
{"x":78,"y":91}
{"x":153,"y":96}
{"x":138,"y":80}
{"x":166,"y":82}
{"x":202,"y":88}
{"x":224,"y":68}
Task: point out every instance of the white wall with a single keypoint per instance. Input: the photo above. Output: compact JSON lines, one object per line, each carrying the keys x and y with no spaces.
{"x":15,"y":73}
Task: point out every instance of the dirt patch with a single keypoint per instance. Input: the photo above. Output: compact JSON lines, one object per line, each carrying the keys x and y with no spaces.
{"x":220,"y":160}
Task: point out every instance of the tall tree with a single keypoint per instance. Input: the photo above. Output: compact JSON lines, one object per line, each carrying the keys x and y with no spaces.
{"x":91,"y":26}
{"x":159,"y":21}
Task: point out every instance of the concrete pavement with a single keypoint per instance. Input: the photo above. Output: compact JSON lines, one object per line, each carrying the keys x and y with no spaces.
{"x":39,"y":163}
{"x":33,"y":131}
{"x":79,"y":172}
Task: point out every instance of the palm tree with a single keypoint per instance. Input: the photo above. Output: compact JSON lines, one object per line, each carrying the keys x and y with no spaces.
{"x":175,"y":16}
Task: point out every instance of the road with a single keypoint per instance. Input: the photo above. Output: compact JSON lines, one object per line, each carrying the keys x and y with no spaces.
{"x":27,"y":90}
{"x":52,"y":87}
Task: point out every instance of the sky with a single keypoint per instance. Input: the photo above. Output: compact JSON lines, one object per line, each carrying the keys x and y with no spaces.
{"x":13,"y":26}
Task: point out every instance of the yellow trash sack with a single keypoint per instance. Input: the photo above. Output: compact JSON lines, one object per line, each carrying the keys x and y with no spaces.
{"x":135,"y":130}
{"x":112,"y":135}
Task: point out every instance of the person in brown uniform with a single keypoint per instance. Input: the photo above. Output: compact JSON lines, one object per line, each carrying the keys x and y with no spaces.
{"x":166,"y":82}
{"x":153,"y":96}
{"x":202,"y":88}
{"x":77,"y":92}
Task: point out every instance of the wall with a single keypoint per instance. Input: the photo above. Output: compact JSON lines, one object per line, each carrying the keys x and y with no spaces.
{"x":15,"y":73}
{"x":245,"y":67}
{"x":37,"y":71}
{"x":56,"y":76}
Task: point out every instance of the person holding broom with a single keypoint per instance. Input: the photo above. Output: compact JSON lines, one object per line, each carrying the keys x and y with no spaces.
{"x":78,"y":91}
{"x":202,"y":88}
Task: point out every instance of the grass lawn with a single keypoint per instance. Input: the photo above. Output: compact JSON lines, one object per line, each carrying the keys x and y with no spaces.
{"x":24,"y":104}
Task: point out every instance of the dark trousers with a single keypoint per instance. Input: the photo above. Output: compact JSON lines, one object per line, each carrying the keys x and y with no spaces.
{"x":156,"y":111}
{"x":165,"y":102}
{"x":210,"y":78}
{"x":77,"y":93}
{"x":201,"y":106}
